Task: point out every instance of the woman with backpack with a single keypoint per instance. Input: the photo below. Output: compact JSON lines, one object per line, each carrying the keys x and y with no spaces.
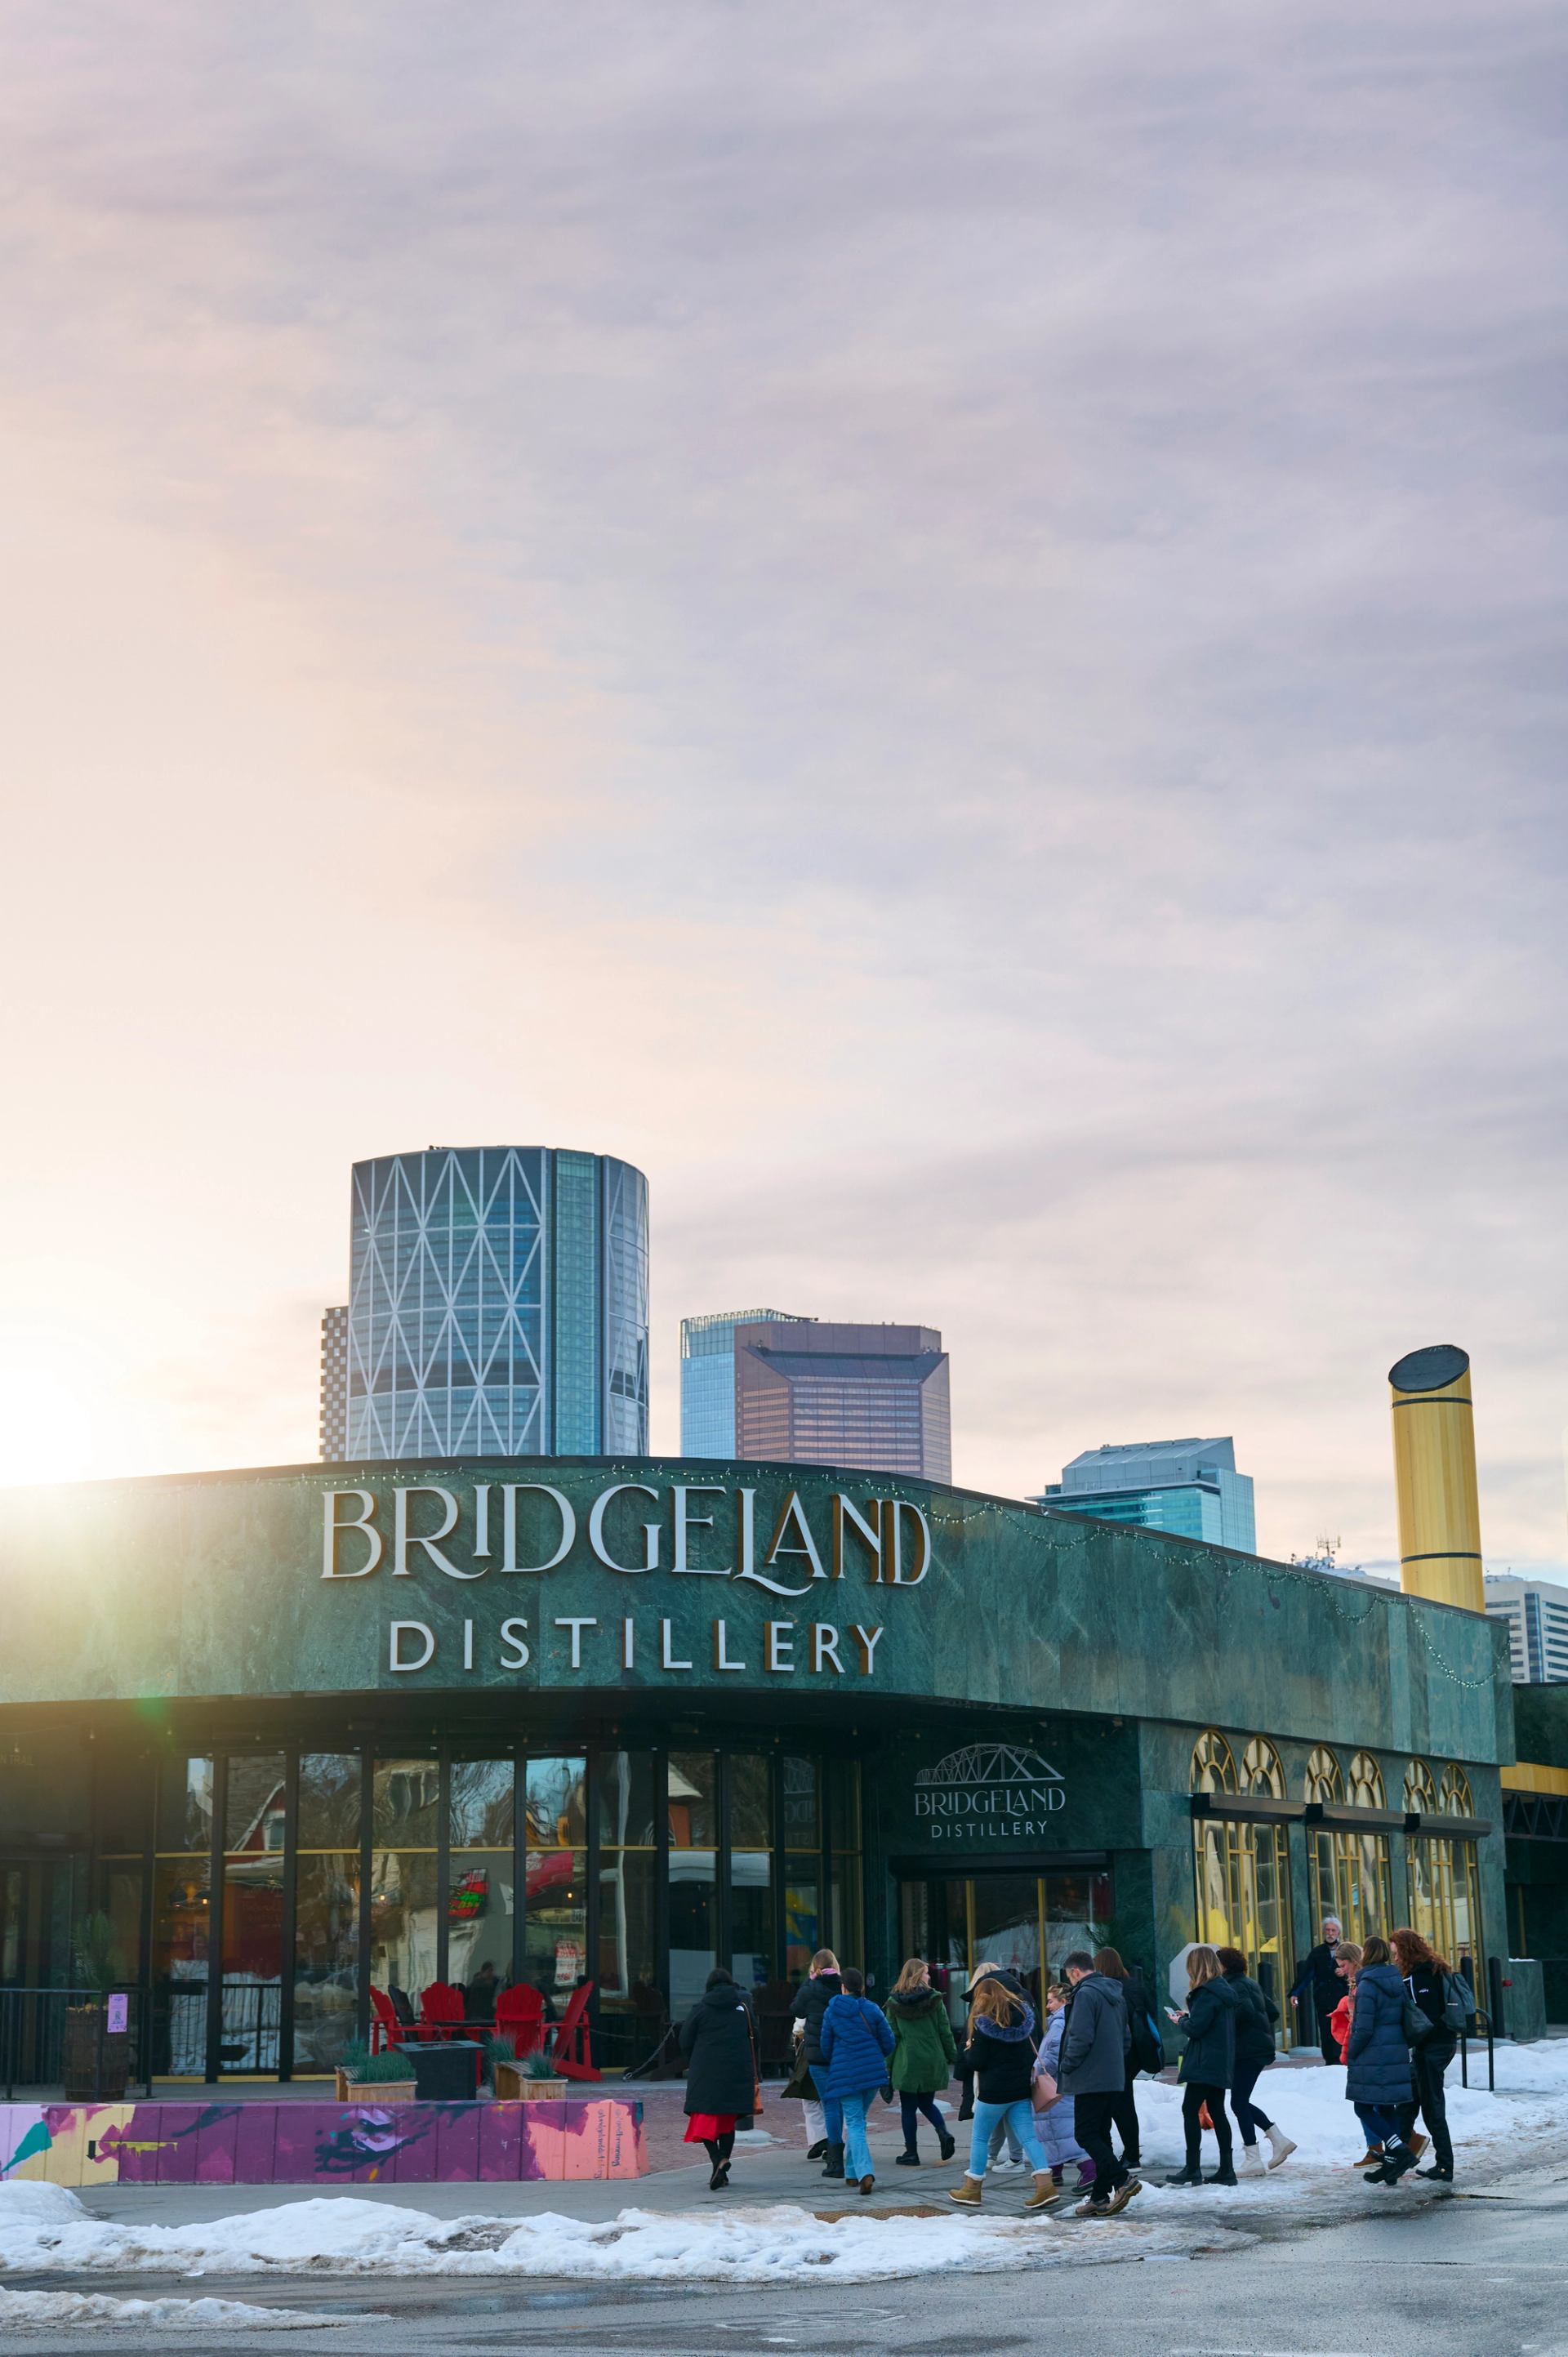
{"x":856,"y":2039}
{"x":1208,"y":2066}
{"x":1146,"y":2052}
{"x":824,"y":2128}
{"x":1377,"y":2061}
{"x":1000,"y":2052}
{"x":1255,"y":2017}
{"x":924,"y":2054}
{"x":1430,"y":1982}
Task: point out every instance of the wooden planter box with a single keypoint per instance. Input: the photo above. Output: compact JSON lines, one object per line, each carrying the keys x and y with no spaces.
{"x":95,"y":2065}
{"x":513,"y":2086}
{"x":374,"y":2091}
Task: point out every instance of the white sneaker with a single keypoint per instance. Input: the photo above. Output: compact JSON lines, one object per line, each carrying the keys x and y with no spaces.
{"x":1001,"y":2167}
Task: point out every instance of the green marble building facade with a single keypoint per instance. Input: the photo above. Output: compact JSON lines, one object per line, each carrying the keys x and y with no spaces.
{"x":306,"y":1731}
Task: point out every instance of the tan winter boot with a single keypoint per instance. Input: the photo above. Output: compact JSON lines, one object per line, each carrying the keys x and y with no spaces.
{"x":967,"y":2191}
{"x":1045,"y":2191}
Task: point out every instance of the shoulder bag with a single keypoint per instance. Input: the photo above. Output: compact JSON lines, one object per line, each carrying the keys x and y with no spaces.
{"x":1417,"y":2026}
{"x":756,"y":2065}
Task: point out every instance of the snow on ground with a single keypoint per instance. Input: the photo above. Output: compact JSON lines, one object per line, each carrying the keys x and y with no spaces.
{"x":34,"y":2310}
{"x":45,"y":2228}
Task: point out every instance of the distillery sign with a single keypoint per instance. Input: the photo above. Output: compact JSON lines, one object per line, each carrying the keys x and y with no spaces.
{"x":1001,"y":1790}
{"x":640,"y":1531}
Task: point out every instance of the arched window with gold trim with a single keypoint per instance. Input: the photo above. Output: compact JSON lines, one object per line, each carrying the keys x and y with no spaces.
{"x":1263,"y":1774}
{"x":1213,"y":1763}
{"x":1420,"y":1792}
{"x":1349,"y":1873}
{"x":1242,"y":1869}
{"x":1444,"y":1881}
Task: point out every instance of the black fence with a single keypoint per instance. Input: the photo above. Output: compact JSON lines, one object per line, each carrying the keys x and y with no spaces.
{"x":44,"y":2029}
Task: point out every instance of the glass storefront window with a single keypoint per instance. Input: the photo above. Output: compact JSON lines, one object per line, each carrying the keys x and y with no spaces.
{"x":252,"y":1912}
{"x":1244,"y":1898}
{"x":480,"y":1914}
{"x":1349,"y":1876}
{"x":182,"y":1917}
{"x":957,"y":1922}
{"x":185,"y":1807}
{"x":326,"y":1909}
{"x":555,"y":1918}
{"x":406,"y":1822}
{"x":632,"y":2015}
{"x":693,"y":1894}
{"x":802,"y":1866}
{"x":1444,"y":1889}
{"x":843,"y":1831}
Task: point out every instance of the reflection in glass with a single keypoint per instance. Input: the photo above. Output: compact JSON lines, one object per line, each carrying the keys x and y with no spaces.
{"x":802,"y":1866}
{"x":185,"y":1804}
{"x":480,"y":1803}
{"x":405,"y":1812}
{"x":632,"y":2017}
{"x":402,"y":1921}
{"x":556,"y":1805}
{"x":182,"y":1913}
{"x":555,"y":1925}
{"x":479,"y":1918}
{"x":751,"y":1869}
{"x":252,"y":1912}
{"x":693,"y":1898}
{"x":326,"y":1957}
{"x":329,"y":1800}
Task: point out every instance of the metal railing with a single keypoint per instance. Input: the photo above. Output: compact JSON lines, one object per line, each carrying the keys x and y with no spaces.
{"x":33,"y":2031}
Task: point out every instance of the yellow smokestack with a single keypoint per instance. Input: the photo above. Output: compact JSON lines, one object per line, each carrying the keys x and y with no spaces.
{"x":1434,"y":1474}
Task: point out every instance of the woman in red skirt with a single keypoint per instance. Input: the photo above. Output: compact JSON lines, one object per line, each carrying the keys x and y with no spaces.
{"x":719,"y":2042}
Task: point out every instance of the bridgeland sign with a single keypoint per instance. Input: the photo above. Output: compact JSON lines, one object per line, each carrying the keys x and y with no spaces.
{"x":431,"y":1531}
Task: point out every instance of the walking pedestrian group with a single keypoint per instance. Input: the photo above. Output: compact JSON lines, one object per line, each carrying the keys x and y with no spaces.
{"x":1049,"y":2091}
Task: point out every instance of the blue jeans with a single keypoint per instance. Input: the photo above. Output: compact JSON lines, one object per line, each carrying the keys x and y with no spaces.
{"x":1020,"y":2118}
{"x":1382,"y":2126}
{"x":857,"y":2143}
{"x":833,"y":2106}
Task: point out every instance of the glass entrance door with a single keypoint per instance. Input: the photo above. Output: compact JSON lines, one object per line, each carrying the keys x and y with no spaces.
{"x":1024,"y":1922}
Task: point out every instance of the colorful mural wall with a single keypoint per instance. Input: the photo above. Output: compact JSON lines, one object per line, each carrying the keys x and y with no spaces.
{"x":320,"y":2144}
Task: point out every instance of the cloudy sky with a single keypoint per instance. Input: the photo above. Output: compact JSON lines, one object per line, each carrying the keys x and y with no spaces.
{"x":943,"y":625}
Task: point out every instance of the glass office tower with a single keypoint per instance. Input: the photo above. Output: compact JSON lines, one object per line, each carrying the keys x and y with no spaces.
{"x":1190,"y":1487}
{"x":708,"y":1377}
{"x":497,"y":1305}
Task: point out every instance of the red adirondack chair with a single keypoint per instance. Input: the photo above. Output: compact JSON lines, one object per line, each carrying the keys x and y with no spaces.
{"x":520,"y":2016}
{"x":442,"y":2010}
{"x":386,"y":2029}
{"x":567,"y":2040}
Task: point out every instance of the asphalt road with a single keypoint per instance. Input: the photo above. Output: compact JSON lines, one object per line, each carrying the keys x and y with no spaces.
{"x":1482,"y":2273}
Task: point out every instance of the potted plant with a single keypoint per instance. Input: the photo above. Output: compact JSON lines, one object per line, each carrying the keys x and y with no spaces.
{"x":95,"y":2062}
{"x":496,"y":2050}
{"x":533,"y":2081}
{"x":379,"y":2078}
{"x":355,"y":2052}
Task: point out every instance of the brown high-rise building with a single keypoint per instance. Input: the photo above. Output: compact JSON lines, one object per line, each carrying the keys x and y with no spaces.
{"x":874,"y":1397}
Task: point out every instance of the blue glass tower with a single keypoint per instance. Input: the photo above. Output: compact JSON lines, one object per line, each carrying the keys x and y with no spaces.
{"x":497,"y":1305}
{"x":708,"y":1377}
{"x":1190,"y":1487}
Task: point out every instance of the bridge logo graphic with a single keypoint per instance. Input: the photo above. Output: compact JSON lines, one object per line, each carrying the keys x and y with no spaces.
{"x":993,"y":1791}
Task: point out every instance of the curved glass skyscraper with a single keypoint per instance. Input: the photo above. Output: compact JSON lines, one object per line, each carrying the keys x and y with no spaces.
{"x":497,"y":1305}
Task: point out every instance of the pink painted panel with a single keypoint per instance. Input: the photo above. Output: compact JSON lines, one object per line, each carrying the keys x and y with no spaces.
{"x":458,"y":2144}
{"x":217,"y":2143}
{"x":501,"y":2143}
{"x":255,"y":2141}
{"x":178,"y":2126}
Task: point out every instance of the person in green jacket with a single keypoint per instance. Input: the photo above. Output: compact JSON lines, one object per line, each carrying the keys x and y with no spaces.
{"x":923,"y":2056}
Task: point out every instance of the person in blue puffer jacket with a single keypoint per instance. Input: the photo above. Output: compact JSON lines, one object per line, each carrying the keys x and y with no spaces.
{"x":856,"y":2041}
{"x":1376,"y":2059}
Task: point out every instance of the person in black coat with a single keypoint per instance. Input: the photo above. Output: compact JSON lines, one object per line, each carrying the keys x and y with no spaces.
{"x":812,"y":1998}
{"x":1208,"y":2066}
{"x":1140,"y":2052}
{"x":1319,"y":1975}
{"x":718,"y":2038}
{"x":1256,"y":2015}
{"x":1424,"y":1970}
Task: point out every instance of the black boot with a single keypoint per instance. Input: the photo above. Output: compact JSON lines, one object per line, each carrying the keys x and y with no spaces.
{"x":946,"y":2144}
{"x":1224,"y":2175}
{"x":817,"y":2151}
{"x":909,"y":2159}
{"x":1183,"y":2177}
{"x":835,"y":2161}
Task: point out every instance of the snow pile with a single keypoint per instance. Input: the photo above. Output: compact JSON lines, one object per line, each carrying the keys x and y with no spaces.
{"x":321,"y":2231}
{"x":1310,"y":2106}
{"x":34,"y":2310}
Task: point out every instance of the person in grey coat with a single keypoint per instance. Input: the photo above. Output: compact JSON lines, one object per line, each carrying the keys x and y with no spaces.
{"x":1378,"y":2073}
{"x":1093,"y":2070}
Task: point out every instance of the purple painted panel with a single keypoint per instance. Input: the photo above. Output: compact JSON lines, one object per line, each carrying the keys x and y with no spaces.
{"x":216,"y":2139}
{"x":254,"y":2142}
{"x":501,"y":2143}
{"x":135,"y":2145}
{"x":417,"y":2150}
{"x":458,"y":2144}
{"x":178,"y":2126}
